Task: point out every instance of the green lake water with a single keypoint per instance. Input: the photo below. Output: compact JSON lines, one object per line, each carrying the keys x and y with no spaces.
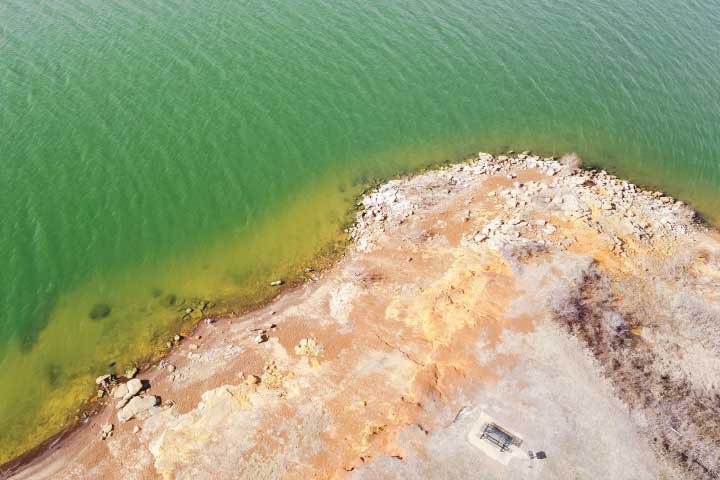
{"x":156,"y":153}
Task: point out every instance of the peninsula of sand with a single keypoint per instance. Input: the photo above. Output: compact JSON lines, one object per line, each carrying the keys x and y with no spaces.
{"x":507,"y":317}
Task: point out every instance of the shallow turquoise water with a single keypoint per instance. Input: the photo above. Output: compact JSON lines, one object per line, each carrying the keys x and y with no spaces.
{"x":197,"y":149}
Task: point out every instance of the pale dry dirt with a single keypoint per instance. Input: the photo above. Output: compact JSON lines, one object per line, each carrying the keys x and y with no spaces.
{"x":466,"y":296}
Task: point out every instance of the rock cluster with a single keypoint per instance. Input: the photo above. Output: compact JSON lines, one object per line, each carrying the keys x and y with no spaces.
{"x":130,"y":403}
{"x":125,"y":391}
{"x":601,"y":201}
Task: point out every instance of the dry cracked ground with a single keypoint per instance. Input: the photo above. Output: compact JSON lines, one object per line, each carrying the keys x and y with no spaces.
{"x":573,"y":309}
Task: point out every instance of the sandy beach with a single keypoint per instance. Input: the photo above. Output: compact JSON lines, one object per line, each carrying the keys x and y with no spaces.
{"x":573,"y":309}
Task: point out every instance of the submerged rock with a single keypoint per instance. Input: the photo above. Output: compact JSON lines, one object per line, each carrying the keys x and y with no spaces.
{"x":170,"y":300}
{"x":99,"y":311}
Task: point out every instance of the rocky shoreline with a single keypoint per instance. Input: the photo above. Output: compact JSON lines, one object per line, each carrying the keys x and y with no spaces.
{"x":472,"y":291}
{"x":571,"y":193}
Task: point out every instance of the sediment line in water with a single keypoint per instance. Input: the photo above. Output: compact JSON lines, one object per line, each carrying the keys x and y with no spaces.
{"x":230,"y":309}
{"x":135,"y":333}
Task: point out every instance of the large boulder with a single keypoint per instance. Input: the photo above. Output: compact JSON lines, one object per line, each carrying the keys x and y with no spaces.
{"x":120,"y":391}
{"x":134,"y":386}
{"x":136,"y":406}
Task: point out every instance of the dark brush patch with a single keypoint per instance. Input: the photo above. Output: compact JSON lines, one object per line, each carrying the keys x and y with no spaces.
{"x":683,"y":420}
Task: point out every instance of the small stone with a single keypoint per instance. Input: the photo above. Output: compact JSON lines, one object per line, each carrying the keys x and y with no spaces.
{"x":193,"y":346}
{"x":106,"y":430}
{"x":176,"y":338}
{"x":480,"y":238}
{"x":131,"y":372}
{"x":261,"y":338}
{"x":102,"y":379}
{"x":252,"y":380}
{"x":136,"y":429}
{"x":171,"y":368}
{"x":100,"y":393}
{"x":276,"y":283}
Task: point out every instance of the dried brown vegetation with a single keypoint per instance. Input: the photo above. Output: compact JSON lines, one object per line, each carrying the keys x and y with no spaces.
{"x":681,"y":416}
